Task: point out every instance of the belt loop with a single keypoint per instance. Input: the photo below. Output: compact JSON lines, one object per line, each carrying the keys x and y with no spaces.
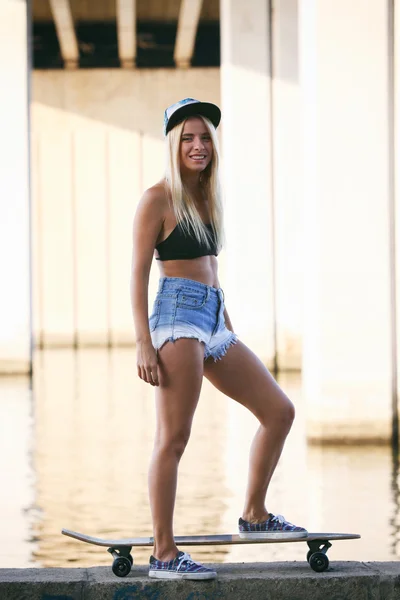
{"x":223,"y":295}
{"x":161,"y":284}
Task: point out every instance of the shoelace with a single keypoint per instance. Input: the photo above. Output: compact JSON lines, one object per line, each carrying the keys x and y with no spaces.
{"x":185,"y":557}
{"x":281,"y":519}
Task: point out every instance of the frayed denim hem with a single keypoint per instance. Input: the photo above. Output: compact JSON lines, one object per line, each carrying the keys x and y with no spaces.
{"x":174,"y":338}
{"x":222,"y":350}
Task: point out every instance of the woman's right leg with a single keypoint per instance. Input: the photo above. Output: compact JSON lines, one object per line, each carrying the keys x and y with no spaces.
{"x":181,"y":366}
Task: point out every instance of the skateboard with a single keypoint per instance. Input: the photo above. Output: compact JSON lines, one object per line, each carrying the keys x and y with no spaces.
{"x":318,"y":544}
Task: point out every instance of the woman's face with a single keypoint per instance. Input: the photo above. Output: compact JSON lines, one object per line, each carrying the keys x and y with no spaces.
{"x":196,"y":147}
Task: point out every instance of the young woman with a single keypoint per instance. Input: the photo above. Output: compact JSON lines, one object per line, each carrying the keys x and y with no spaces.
{"x":189,"y":334}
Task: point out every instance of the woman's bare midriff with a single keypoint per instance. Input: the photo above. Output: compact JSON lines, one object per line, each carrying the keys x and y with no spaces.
{"x":203,"y":269}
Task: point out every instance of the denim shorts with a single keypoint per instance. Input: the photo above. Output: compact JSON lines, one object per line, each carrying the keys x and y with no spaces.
{"x":184,"y":308}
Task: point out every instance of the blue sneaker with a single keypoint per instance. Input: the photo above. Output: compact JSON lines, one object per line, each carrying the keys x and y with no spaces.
{"x":274,"y":528}
{"x":180,"y":567}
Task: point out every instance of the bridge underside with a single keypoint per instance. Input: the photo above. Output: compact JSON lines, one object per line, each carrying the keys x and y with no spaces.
{"x":125,"y":33}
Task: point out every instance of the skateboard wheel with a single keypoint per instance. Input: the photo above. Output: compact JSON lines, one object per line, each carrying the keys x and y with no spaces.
{"x":130,"y":557}
{"x":319,"y":562}
{"x":121,"y":566}
{"x":309,"y":554}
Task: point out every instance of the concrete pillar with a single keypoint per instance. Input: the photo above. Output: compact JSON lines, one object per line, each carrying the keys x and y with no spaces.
{"x":395,"y":140}
{"x":246,"y":144}
{"x":347,"y":366}
{"x":287,"y":177}
{"x":15,"y":324}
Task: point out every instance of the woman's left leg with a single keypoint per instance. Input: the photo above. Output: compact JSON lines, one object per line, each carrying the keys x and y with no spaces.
{"x":243,"y":377}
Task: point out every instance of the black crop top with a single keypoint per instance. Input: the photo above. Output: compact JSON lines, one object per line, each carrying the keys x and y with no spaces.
{"x":179,"y":245}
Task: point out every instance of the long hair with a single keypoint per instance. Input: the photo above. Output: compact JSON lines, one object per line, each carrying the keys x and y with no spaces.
{"x":183,"y":203}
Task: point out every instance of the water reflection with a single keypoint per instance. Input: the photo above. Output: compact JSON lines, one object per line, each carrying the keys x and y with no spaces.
{"x":90,"y":437}
{"x":17,"y":470}
{"x":395,"y":518}
{"x":94,"y":430}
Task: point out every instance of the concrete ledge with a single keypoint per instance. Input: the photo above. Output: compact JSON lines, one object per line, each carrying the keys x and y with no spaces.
{"x":261,"y":581}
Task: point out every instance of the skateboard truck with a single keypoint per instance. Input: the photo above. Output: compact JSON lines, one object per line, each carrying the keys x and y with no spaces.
{"x":123,"y":560}
{"x":316,"y":556}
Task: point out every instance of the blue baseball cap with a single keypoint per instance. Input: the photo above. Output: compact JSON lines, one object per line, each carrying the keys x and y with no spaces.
{"x":189,"y":107}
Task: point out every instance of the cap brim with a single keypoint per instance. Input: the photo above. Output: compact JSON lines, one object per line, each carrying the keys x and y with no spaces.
{"x":205,"y":109}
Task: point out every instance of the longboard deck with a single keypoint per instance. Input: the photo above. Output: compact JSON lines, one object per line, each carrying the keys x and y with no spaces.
{"x":206,"y":540}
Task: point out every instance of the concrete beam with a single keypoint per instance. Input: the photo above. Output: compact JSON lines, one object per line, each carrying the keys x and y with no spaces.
{"x":189,"y":15}
{"x":126,"y":27}
{"x":65,"y":28}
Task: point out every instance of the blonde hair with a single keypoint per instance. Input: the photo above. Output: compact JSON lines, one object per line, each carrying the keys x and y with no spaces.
{"x":183,"y":203}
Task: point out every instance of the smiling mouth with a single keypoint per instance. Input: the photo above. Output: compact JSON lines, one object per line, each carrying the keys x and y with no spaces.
{"x":198,"y":156}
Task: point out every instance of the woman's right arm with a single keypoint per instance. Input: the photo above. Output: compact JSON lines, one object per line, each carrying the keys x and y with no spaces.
{"x":147,"y":225}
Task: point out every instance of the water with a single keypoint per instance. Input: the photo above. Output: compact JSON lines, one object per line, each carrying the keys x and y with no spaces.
{"x":75,"y":453}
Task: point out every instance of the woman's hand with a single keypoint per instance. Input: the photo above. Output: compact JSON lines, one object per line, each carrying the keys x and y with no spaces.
{"x":147,"y":364}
